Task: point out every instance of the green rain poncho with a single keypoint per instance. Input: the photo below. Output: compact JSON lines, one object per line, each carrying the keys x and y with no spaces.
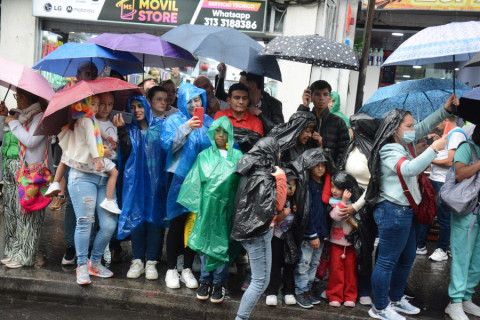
{"x":209,"y":191}
{"x":336,"y":108}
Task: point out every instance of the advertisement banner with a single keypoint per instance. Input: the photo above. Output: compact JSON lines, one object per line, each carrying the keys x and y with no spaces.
{"x":245,"y":15}
{"x":452,"y":5}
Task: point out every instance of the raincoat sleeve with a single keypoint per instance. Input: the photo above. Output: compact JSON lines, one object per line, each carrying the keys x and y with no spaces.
{"x":125,"y":142}
{"x":191,"y":191}
{"x":343,"y":138}
{"x":426,"y":126}
{"x":181,"y":136}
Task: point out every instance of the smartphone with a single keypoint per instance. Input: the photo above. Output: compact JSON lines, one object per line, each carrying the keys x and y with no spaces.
{"x":198,"y":112}
{"x":12,"y":113}
{"x":127,"y":117}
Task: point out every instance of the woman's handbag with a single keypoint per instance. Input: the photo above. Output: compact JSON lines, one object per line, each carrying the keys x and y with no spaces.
{"x":33,"y":181}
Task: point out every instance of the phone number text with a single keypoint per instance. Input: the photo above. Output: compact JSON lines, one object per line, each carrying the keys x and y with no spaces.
{"x":231,"y":23}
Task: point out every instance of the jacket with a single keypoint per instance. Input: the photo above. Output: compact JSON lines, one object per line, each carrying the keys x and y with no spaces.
{"x":271,"y":112}
{"x":317,"y":226}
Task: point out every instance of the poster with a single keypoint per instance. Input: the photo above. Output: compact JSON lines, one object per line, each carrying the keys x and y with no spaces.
{"x":452,"y":5}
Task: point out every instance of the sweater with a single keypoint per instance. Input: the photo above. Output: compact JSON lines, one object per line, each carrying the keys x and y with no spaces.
{"x":79,"y":144}
{"x":35,"y":144}
{"x":340,"y":227}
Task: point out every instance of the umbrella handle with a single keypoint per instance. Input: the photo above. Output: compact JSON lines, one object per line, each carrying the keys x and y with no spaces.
{"x":6,"y":94}
{"x":454,"y":74}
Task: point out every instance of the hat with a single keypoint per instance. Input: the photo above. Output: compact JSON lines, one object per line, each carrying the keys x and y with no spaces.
{"x":145,"y":77}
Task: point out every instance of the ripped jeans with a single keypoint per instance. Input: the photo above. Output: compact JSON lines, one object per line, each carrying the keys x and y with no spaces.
{"x":87,"y":191}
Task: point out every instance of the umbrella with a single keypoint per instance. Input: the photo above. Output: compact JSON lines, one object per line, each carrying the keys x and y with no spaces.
{"x":14,"y":75}
{"x":420,"y":97}
{"x":227,"y":45}
{"x":313,"y":49}
{"x":149,"y":49}
{"x":469,"y":108}
{"x":66,"y":59}
{"x":475,"y":62}
{"x":57,"y":113}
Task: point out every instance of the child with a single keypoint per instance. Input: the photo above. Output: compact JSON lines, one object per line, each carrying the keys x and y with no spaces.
{"x":209,"y":191}
{"x":108,"y":131}
{"x":76,"y":151}
{"x":342,"y":284}
{"x":283,"y":221}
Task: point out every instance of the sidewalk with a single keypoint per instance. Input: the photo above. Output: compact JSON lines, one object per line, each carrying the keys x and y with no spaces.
{"x":48,"y":281}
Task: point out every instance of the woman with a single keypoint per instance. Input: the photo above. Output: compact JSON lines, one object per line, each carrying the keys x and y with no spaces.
{"x":22,"y":231}
{"x":144,"y":186}
{"x":158,"y":99}
{"x":355,"y":162}
{"x":464,"y":242}
{"x":393,"y":214}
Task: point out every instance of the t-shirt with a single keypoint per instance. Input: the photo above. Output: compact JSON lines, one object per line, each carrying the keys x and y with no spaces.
{"x":223,"y":153}
{"x":107,"y":129}
{"x":464,"y":154}
{"x":439,"y":173}
{"x":249,"y":121}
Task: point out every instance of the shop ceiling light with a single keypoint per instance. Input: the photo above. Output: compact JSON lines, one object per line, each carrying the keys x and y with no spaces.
{"x":406,"y":76}
{"x":417,"y":67}
{"x":397,"y":34}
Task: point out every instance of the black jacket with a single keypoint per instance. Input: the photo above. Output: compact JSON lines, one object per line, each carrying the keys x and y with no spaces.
{"x":271,"y":112}
{"x":333,"y":131}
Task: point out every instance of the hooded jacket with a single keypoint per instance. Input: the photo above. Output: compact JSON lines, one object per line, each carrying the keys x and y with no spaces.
{"x":183,"y":144}
{"x":209,"y":191}
{"x":336,"y":108}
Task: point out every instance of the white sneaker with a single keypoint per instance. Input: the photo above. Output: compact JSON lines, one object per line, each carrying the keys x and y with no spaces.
{"x":422,"y":250}
{"x":172,"y":279}
{"x":365,"y":301}
{"x":404,"y":306}
{"x":438,"y":255}
{"x":53,"y":190}
{"x":136,"y":269}
{"x":271,"y":300}
{"x":151,"y":272}
{"x":189,"y":279}
{"x":471,"y":308}
{"x":290,"y":299}
{"x":323,"y":295}
{"x":386,"y":314}
{"x":110,"y":206}
{"x":455,"y":311}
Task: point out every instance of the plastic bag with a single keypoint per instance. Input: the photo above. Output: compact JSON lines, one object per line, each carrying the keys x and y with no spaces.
{"x":245,"y":138}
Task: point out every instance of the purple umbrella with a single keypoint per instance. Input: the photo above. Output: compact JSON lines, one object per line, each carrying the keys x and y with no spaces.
{"x":151,"y":50}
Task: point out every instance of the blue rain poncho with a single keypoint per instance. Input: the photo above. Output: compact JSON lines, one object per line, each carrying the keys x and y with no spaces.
{"x":183,"y":144}
{"x":209,"y":191}
{"x":144,"y":176}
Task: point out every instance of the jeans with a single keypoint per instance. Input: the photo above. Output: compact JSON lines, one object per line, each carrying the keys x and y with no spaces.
{"x":147,"y":241}
{"x":70,"y":221}
{"x":87,"y":191}
{"x":260,"y":254}
{"x":307,"y":267}
{"x":219,"y":275}
{"x":396,"y":252}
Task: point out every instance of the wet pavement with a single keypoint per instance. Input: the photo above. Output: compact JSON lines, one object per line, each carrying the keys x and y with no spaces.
{"x":49,"y":282}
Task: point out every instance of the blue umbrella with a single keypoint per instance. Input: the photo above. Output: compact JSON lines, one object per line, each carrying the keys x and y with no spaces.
{"x":420,"y":97}
{"x":227,"y":45}
{"x":66,"y":59}
{"x":469,"y":108}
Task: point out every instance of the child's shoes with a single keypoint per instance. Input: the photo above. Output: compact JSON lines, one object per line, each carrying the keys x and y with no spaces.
{"x":334,"y":304}
{"x":110,"y":206}
{"x":349,"y":304}
{"x":53,"y":190}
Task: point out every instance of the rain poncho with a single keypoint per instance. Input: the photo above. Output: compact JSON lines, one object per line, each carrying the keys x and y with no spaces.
{"x":209,"y":191}
{"x":144,"y":176}
{"x":184,"y":157}
{"x":336,"y":108}
{"x":257,"y":192}
{"x":288,"y":133}
{"x":245,"y":138}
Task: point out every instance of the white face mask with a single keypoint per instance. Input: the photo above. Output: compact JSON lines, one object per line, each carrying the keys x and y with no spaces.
{"x":408,"y":136}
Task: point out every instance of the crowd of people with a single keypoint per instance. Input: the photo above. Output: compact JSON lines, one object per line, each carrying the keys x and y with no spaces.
{"x":302,"y":201}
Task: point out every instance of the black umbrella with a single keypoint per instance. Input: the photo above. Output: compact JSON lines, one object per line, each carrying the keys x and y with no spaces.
{"x":313,"y":49}
{"x":469,"y":108}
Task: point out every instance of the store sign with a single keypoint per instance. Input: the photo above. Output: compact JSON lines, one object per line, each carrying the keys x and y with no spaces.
{"x":246,"y":15}
{"x":453,"y":5}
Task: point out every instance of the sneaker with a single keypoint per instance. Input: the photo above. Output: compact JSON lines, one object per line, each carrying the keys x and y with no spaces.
{"x":82,"y":275}
{"x":422,"y":250}
{"x":53,"y":190}
{"x":110,"y":206}
{"x":58,"y":203}
{"x":151,"y":272}
{"x":189,"y":279}
{"x":324,"y":294}
{"x":289,"y":299}
{"x":6,"y":260}
{"x":69,"y":257}
{"x":456,"y":311}
{"x":471,"y":308}
{"x":172,"y":279}
{"x":334,"y":304}
{"x":404,"y":306}
{"x":350,"y":304}
{"x":365,"y":301}
{"x":271,"y":300}
{"x":136,"y":269}
{"x":312,"y":298}
{"x":218,"y":292}
{"x":438,"y":255}
{"x":13,"y":265}
{"x":98,"y":270}
{"x":303,"y":300}
{"x":204,"y":290}
{"x":386,"y":314}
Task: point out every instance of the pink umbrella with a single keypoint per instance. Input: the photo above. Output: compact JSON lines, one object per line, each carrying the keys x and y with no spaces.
{"x":57,"y":114}
{"x":14,"y":75}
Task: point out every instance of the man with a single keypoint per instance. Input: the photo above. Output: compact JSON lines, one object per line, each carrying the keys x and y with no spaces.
{"x":262,"y":105}
{"x":331,"y":131}
{"x":169,"y":85}
{"x":213,"y":103}
{"x":146,"y":82}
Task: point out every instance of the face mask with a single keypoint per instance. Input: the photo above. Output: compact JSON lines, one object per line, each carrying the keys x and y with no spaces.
{"x":408,"y":136}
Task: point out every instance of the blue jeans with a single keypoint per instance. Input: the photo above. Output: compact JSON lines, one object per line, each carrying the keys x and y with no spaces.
{"x":443,"y":216}
{"x":396,"y":252}
{"x":219,"y":275}
{"x":147,"y":240}
{"x":70,"y":221}
{"x":87,"y":191}
{"x":260,"y":254}
{"x":307,"y":267}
